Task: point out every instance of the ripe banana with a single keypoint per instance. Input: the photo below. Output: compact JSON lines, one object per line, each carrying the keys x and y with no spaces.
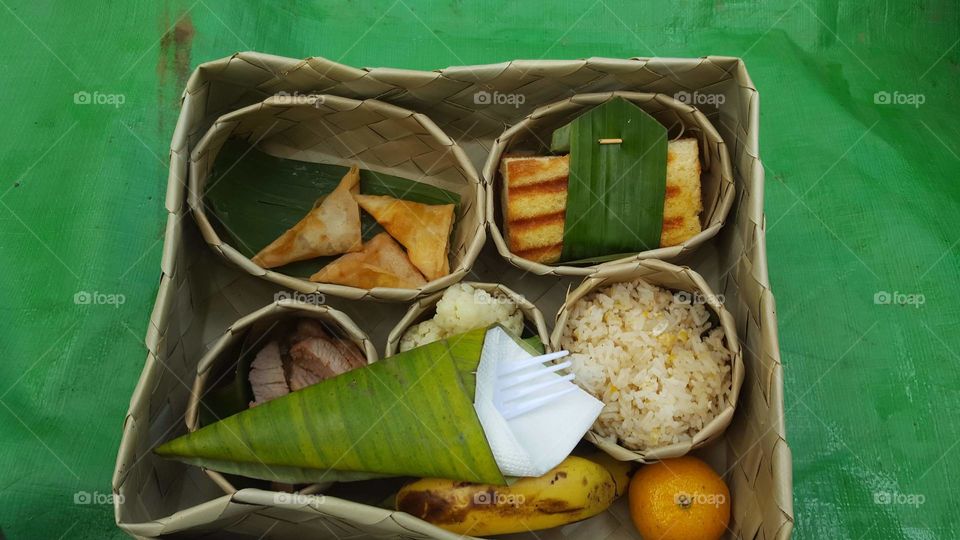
{"x":620,"y":470}
{"x":575,"y":489}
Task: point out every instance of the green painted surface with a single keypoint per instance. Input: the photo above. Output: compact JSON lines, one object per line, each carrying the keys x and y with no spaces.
{"x":861,"y":198}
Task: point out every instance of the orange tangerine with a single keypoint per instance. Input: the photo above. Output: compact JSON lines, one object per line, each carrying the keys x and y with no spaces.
{"x":679,"y":499}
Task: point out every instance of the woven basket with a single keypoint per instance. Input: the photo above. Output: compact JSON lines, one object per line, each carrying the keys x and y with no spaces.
{"x":199,"y":297}
{"x":673,"y":278}
{"x":224,"y":354}
{"x":425,"y":308}
{"x":372,"y":134}
{"x":533,"y":134}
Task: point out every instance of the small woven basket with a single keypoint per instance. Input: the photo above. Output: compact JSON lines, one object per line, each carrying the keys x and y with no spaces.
{"x":224,"y":355}
{"x":533,"y":133}
{"x":335,"y":130}
{"x":675,"y":278}
{"x":425,"y":308}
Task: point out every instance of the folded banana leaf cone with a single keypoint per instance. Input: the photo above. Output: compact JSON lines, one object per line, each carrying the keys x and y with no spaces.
{"x":426,"y":412}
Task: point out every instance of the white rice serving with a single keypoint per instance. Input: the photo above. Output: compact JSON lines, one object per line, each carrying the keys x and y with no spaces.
{"x":654,"y":360}
{"x":463,"y":308}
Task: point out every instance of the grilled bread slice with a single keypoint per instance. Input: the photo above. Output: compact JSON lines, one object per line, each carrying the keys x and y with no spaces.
{"x":535,"y":205}
{"x":682,"y":203}
{"x":535,"y":201}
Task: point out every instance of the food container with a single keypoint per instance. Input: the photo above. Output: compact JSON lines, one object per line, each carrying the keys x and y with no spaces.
{"x":251,"y":330}
{"x":372,"y":134}
{"x":425,"y":308}
{"x":688,"y":286}
{"x":533,"y":133}
{"x":199,"y":297}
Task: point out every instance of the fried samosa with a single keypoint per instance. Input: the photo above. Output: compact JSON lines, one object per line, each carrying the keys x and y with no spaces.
{"x":424,"y":229}
{"x":381,"y":263}
{"x":331,"y":228}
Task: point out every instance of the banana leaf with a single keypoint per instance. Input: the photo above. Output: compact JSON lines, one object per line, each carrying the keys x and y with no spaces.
{"x":615,"y":192}
{"x":411,"y":415}
{"x":599,"y":259}
{"x":254,"y":197}
{"x":534,"y":345}
{"x":231,"y":391}
{"x":560,"y":140}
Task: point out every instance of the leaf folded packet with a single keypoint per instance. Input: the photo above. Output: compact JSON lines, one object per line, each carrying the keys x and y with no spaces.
{"x":426,"y":412}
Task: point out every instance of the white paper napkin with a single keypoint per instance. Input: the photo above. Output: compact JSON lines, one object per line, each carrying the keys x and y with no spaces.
{"x":533,"y":443}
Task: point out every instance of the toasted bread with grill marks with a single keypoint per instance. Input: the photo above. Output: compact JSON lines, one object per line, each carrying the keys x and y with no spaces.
{"x":535,"y":204}
{"x":682,"y":202}
{"x":535,"y":201}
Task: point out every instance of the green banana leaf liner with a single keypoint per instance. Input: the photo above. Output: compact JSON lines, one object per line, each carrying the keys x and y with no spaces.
{"x":411,"y":414}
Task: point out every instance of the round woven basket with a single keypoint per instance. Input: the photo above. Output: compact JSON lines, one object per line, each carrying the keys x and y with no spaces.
{"x":681,"y":280}
{"x":425,"y":308}
{"x":371,"y":134}
{"x":533,"y":133}
{"x":221,"y":359}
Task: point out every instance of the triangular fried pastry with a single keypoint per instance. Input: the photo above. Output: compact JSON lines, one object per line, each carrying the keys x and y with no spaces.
{"x":424,"y":229}
{"x":331,"y":228}
{"x":381,"y":263}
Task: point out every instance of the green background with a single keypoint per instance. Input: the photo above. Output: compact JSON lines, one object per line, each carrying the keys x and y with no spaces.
{"x":861,"y":198}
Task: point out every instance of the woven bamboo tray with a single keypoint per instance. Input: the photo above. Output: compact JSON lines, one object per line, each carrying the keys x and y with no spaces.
{"x":200,"y":294}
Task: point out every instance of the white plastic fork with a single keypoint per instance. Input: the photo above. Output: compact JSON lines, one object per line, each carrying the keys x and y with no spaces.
{"x":514,"y":397}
